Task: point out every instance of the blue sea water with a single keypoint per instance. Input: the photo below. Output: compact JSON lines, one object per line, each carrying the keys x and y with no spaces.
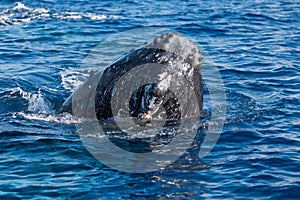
{"x":255,"y":44}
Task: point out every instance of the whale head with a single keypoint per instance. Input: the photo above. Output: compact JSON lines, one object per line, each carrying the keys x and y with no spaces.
{"x":155,"y":74}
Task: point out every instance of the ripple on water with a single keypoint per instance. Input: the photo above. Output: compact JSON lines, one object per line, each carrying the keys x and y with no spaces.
{"x":254,"y":45}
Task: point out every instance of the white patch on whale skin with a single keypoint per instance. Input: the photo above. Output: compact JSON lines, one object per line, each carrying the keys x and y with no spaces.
{"x":165,"y":81}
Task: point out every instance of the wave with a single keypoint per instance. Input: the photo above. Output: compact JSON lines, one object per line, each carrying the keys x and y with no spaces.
{"x":22,"y":14}
{"x":35,"y":101}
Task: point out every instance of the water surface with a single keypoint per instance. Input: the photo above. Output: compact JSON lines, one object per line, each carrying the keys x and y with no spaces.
{"x":254,"y":44}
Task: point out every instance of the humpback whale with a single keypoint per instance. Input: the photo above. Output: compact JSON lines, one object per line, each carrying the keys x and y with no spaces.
{"x":170,"y":58}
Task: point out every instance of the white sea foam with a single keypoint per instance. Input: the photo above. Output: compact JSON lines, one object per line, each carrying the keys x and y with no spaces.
{"x":64,"y":118}
{"x":21,"y":13}
{"x":78,"y":15}
{"x":72,"y":79}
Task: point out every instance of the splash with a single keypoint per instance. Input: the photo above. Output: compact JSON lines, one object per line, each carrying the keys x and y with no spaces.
{"x":71,"y":79}
{"x":38,"y":108}
{"x":35,"y":101}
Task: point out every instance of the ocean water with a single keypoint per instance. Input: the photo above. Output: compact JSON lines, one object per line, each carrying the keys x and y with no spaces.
{"x":255,"y":45}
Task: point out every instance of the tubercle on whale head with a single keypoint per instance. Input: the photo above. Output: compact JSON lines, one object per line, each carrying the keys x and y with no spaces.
{"x":175,"y":45}
{"x":179,"y":45}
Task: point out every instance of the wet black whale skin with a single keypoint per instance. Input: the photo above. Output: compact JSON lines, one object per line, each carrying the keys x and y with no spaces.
{"x":117,"y":69}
